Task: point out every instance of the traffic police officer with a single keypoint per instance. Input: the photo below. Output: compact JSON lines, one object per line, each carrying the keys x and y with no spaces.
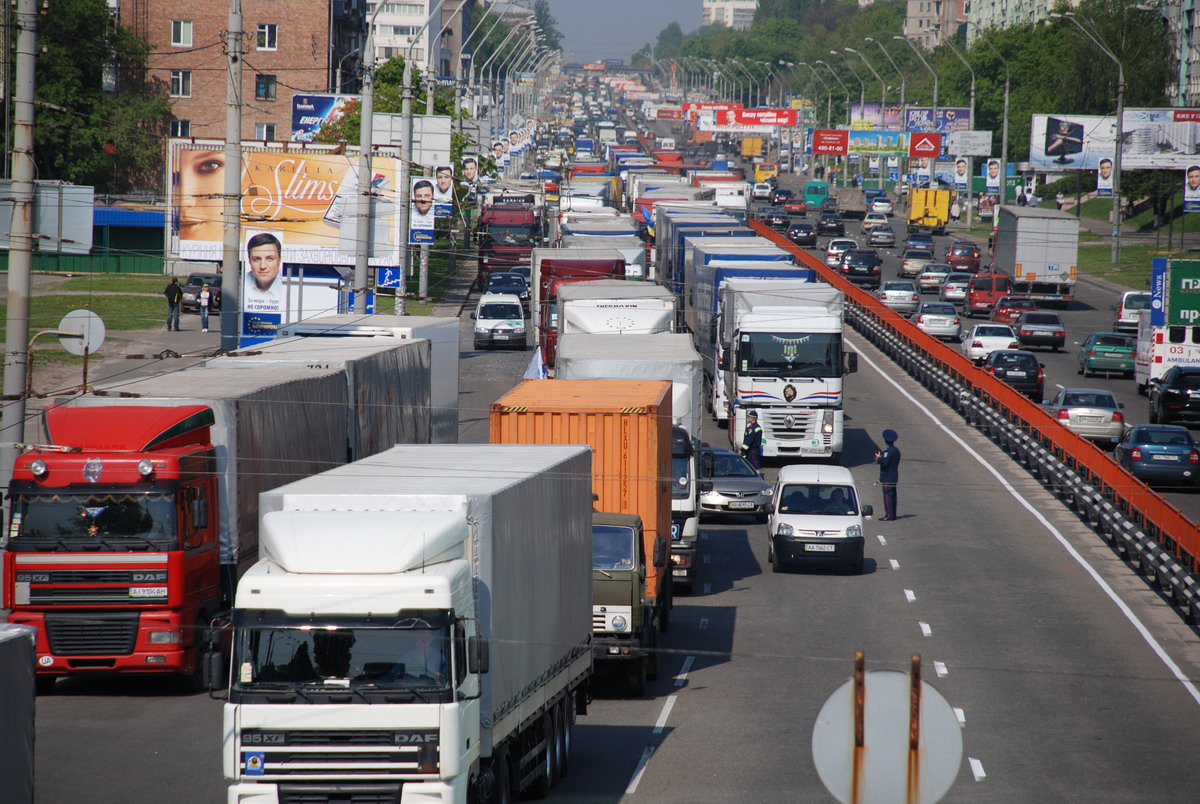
{"x":889,"y":473}
{"x":752,"y":441}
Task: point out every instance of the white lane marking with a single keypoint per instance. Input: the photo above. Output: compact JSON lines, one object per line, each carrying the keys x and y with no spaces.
{"x":632,"y":787}
{"x":895,"y":564}
{"x":666,"y":713}
{"x":703,"y":623}
{"x":910,"y":596}
{"x":962,"y":717}
{"x":882,"y":540}
{"x":925,"y":629}
{"x":940,"y":669}
{"x":1140,"y":627}
{"x":708,"y":588}
{"x":977,"y":769}
{"x":684,"y":669}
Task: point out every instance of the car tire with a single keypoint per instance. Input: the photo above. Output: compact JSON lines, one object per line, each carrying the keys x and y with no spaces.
{"x":856,"y":567}
{"x":1154,"y":416}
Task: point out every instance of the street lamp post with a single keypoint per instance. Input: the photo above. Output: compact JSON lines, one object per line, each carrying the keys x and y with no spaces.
{"x":917,"y":52}
{"x":954,"y":50}
{"x":1090,"y":32}
{"x":862,"y":88}
{"x":1004,"y":125}
{"x":882,"y":101}
{"x":828,"y":93}
{"x":748,"y":97}
{"x":903,"y":80}
{"x":842,"y":84}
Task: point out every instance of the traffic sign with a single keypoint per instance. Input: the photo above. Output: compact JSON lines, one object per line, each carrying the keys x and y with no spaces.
{"x":893,"y":175}
{"x":925,"y":143}
{"x":969,"y":143}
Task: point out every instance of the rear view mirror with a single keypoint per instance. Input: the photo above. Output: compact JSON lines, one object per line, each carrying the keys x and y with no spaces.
{"x":851,"y":362}
{"x":472,"y":316}
{"x":477,"y":655}
{"x":867,"y":510}
{"x":660,"y":552}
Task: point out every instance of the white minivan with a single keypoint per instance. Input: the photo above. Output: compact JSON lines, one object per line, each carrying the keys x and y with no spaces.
{"x":816,"y":517}
{"x":499,"y":321}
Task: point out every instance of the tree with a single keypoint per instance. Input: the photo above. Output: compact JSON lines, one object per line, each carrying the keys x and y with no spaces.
{"x":546,"y":23}
{"x":110,"y":140}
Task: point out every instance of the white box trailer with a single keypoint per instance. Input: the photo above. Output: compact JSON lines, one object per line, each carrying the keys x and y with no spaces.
{"x":17,"y":696}
{"x":615,"y":306}
{"x":631,"y":246}
{"x":440,"y":331}
{"x":434,"y":602}
{"x":1040,"y":248}
{"x":387,"y":382}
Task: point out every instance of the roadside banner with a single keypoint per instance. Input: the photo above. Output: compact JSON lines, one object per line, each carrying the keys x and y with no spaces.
{"x":828,"y":142}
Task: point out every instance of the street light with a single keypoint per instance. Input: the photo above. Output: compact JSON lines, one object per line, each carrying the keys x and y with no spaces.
{"x":954,"y":50}
{"x":1090,"y":32}
{"x":903,"y":80}
{"x":882,"y":99}
{"x":748,"y":97}
{"x":828,"y":93}
{"x":842,"y":84}
{"x":917,"y":51}
{"x":862,"y":88}
{"x":1004,"y":128}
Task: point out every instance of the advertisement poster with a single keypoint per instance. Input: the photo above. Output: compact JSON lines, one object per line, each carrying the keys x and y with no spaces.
{"x":443,"y":191}
{"x":1153,"y":139}
{"x":470,"y":166}
{"x":262,"y":285}
{"x":961,"y":175}
{"x":869,"y":113}
{"x":1191,"y":189}
{"x":992,"y":177}
{"x":420,"y":213}
{"x":308,"y":196}
{"x":1104,"y":178}
{"x":921,"y":118}
{"x":310,"y":112}
{"x":878,"y":143}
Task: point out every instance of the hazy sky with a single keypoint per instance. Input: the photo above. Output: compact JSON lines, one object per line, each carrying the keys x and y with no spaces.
{"x":596,"y":29}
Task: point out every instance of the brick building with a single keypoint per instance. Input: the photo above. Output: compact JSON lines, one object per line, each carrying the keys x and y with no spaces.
{"x":287,"y":49}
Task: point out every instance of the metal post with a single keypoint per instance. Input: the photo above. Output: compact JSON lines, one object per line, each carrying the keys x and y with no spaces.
{"x":954,"y":50}
{"x":1004,"y":128}
{"x":903,"y":80}
{"x":362,"y":223}
{"x":20,"y":254}
{"x":862,"y":88}
{"x":917,"y":52}
{"x":231,"y":216}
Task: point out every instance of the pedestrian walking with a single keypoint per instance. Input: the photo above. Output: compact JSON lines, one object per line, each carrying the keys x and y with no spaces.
{"x":889,"y":473}
{"x":204,"y":298}
{"x":1059,"y":200}
{"x":174,"y":294}
{"x":752,"y":441}
{"x":955,"y":211}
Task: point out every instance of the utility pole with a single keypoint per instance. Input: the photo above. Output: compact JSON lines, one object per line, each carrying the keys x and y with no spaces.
{"x":231,"y":215}
{"x":20,"y":254}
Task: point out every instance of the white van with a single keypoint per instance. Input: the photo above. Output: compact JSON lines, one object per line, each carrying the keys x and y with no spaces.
{"x":499,"y":321}
{"x":816,"y":517}
{"x":1129,"y":310}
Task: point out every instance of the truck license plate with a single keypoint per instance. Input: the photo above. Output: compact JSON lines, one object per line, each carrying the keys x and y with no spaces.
{"x":820,"y":548}
{"x":741,"y":506}
{"x":147,"y":591}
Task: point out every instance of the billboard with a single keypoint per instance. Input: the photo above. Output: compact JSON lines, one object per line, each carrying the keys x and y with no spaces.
{"x":891,"y":116}
{"x":308,"y":194}
{"x":310,"y":112}
{"x":878,"y":143}
{"x":828,"y":142}
{"x":1153,"y":139}
{"x":951,"y":118}
{"x":1183,"y":293}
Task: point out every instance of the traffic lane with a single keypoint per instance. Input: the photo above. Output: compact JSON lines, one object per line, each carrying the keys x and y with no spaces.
{"x":795,"y":634}
{"x":484,"y":377}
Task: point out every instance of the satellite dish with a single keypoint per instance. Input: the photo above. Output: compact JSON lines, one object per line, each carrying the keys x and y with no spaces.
{"x":81,"y":330}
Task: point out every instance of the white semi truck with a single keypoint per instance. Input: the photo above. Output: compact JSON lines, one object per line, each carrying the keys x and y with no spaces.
{"x":417,"y":629}
{"x":783,"y":355}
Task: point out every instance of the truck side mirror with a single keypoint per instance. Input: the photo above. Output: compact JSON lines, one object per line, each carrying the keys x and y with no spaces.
{"x":867,"y":510}
{"x":213,"y":667}
{"x":705,"y":486}
{"x":707,"y":464}
{"x":477,"y":655}
{"x":851,"y":362}
{"x":472,"y":316}
{"x":660,"y":552}
{"x":723,"y":360}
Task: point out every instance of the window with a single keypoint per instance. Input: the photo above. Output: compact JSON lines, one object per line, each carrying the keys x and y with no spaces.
{"x":181,"y":128}
{"x":404,"y":30}
{"x":268,"y":36}
{"x":264,"y":87}
{"x":264,"y":131}
{"x":181,"y":83}
{"x":181,"y":33}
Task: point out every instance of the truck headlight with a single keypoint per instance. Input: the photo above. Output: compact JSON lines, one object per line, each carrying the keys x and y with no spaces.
{"x":165,"y":637}
{"x":783,"y":529}
{"x":619,"y":623}
{"x":854,"y":532}
{"x":827,"y":422}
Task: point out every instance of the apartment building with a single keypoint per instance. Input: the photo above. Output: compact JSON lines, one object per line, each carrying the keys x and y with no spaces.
{"x":401,"y":29}
{"x":287,"y":50}
{"x":736,"y":14}
{"x":930,"y":23}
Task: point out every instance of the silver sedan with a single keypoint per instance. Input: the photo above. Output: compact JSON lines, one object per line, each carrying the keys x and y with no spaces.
{"x":729,"y":485}
{"x":954,"y":288}
{"x":1092,"y":413}
{"x":899,"y":294}
{"x":939,"y":319}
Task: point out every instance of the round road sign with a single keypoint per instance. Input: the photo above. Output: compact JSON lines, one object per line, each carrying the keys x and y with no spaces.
{"x":88,"y":326}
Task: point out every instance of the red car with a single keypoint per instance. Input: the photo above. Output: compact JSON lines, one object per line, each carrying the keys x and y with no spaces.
{"x":963,"y":256}
{"x":1009,"y":308}
{"x":796,"y":206}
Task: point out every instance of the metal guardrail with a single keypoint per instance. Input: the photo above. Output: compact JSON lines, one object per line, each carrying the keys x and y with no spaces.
{"x":1151,"y":533}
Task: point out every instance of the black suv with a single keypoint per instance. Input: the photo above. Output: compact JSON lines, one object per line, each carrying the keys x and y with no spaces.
{"x":863,"y":267}
{"x":776,"y":219}
{"x":831,"y":224}
{"x":1018,"y":368}
{"x":1176,"y":397}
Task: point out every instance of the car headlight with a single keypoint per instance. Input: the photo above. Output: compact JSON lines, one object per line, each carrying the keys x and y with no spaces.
{"x":854,"y":532}
{"x":518,"y":330}
{"x":481,"y":330}
{"x":783,"y":529}
{"x":619,"y":623}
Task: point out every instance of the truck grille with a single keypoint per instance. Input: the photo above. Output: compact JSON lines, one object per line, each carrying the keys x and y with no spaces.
{"x":94,"y":633}
{"x":795,"y":425}
{"x":599,"y":623}
{"x":334,"y":754}
{"x":340,"y":794}
{"x":81,"y":586}
{"x":92,"y":595}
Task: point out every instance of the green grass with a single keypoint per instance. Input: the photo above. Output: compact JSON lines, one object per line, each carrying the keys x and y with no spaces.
{"x":117,"y":312}
{"x":1133,"y":270}
{"x":116,"y":283}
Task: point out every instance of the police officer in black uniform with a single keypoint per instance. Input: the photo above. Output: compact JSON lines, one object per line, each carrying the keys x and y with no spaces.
{"x":752,"y":441}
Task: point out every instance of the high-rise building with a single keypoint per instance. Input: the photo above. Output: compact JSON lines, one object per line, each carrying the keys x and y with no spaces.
{"x":736,"y":14}
{"x":930,"y":23}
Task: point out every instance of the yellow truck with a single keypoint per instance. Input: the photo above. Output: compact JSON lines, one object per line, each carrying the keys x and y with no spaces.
{"x":752,"y":147}
{"x":930,"y":208}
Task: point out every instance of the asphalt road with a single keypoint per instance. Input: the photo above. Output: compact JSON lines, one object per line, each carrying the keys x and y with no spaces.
{"x":1064,"y":666}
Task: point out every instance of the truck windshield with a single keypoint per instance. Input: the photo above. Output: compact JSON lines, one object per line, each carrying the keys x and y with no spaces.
{"x":282,"y":651}
{"x":612,"y":547}
{"x":510,"y":235}
{"x":790,"y":354}
{"x":93,"y":522}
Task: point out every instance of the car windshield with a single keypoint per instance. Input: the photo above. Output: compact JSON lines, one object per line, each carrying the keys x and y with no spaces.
{"x":98,"y":520}
{"x":958,"y":278}
{"x":1089,"y":399}
{"x":816,"y":498}
{"x":1124,"y":341}
{"x":993,"y":332}
{"x":1190,"y":382}
{"x":510,"y":235}
{"x":918,"y":254}
{"x":938,"y":309}
{"x":963,"y":251}
{"x":612,"y":547}
{"x":1146,"y":435}
{"x":1139,"y":302}
{"x":491,"y":312}
{"x":904,"y":286}
{"x":277,"y":650}
{"x":790,"y":354}
{"x":203,"y":279}
{"x":1043,"y":319}
{"x":1015,"y":360}
{"x":729,"y":464}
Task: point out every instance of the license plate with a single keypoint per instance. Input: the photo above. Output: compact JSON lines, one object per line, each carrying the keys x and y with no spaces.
{"x":820,"y":548}
{"x":1016,"y":374}
{"x":500,"y":337}
{"x":1164,"y":457}
{"x":1089,"y":419}
{"x":147,"y":591}
{"x":741,"y":505}
{"x":679,"y":573}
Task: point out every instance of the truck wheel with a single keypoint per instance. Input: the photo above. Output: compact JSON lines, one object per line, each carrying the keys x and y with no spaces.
{"x":502,"y":788}
{"x":554,"y":745}
{"x":44,"y":685}
{"x":540,"y":787}
{"x":568,"y":732}
{"x":193,"y":682}
{"x":637,"y":679}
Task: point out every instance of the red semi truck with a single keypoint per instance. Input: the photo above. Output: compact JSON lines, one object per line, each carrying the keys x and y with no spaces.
{"x":508,"y":231}
{"x":552,"y":267}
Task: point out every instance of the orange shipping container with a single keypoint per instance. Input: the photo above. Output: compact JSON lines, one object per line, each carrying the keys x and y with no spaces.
{"x":627,"y":423}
